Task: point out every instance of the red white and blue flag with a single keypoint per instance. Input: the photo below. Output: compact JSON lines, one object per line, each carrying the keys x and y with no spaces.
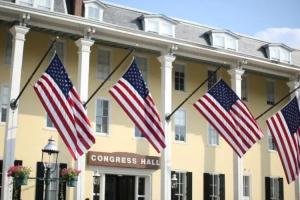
{"x":64,"y":107}
{"x":284,"y":127}
{"x":230,"y":117}
{"x":134,"y":97}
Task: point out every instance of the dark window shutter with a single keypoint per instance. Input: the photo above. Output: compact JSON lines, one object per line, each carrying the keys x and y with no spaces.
{"x":189,"y":186}
{"x":62,"y":184}
{"x":173,"y":190}
{"x":267,"y":187}
{"x":17,"y":189}
{"x":281,"y":193}
{"x":39,"y":184}
{"x":206,"y":189}
{"x":222,"y":186}
{"x":1,"y":166}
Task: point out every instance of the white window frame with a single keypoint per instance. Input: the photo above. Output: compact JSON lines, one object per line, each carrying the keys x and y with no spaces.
{"x":2,"y":105}
{"x":108,"y":118}
{"x":280,"y":51}
{"x":271,"y":143}
{"x":214,"y":194}
{"x":49,"y":127}
{"x":268,"y":95}
{"x":93,"y":4}
{"x":273,"y":182}
{"x":185,"y":130}
{"x":160,"y":24}
{"x":142,"y":56}
{"x":183,"y":182}
{"x":249,"y":187}
{"x":184,"y":73}
{"x":213,"y":136}
{"x":98,"y":66}
{"x":226,"y":37}
{"x":35,"y":4}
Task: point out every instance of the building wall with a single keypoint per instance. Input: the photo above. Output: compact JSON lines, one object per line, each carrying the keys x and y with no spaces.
{"x":195,"y":155}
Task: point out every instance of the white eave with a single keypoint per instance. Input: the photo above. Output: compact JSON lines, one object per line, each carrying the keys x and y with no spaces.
{"x":113,"y":33}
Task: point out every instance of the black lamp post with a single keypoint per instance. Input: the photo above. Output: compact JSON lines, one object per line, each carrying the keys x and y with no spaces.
{"x":49,"y":158}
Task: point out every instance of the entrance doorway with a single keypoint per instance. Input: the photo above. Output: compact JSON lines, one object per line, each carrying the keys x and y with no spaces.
{"x":119,"y":187}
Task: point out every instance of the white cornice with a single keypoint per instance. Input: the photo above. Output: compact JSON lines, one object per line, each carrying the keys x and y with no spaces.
{"x":74,"y":24}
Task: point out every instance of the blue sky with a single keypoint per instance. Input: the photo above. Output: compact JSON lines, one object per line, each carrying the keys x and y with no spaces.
{"x":272,"y":20}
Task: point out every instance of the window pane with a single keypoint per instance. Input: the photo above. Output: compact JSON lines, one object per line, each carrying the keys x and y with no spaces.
{"x":142,"y":65}
{"x":274,"y":53}
{"x":180,"y":125}
{"x":179,"y":77}
{"x":141,"y":186}
{"x":26,"y":2}
{"x":231,"y":43}
{"x":137,"y":132}
{"x":213,"y":136}
{"x":49,"y":122}
{"x":213,"y":78}
{"x":244,"y":89}
{"x":103,"y":64}
{"x":102,"y":116}
{"x":152,"y":25}
{"x":284,"y":56}
{"x":246,"y":185}
{"x":219,"y":41}
{"x":166,"y":29}
{"x":44,"y":4}
{"x":3,"y":114}
{"x":93,"y":13}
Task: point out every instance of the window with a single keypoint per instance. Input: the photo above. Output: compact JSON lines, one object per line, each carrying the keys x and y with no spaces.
{"x":8,"y":49}
{"x":96,"y":186}
{"x":143,"y":66}
{"x":138,"y":133}
{"x":212,"y":78}
{"x":25,"y":2}
{"x":244,"y":88}
{"x":246,"y":187}
{"x":179,"y":77}
{"x":59,"y":48}
{"x":44,"y":4}
{"x":4,"y":102}
{"x":270,"y":92}
{"x":224,"y":40}
{"x":103,"y":63}
{"x":213,"y":136}
{"x":274,"y":188}
{"x":278,"y":52}
{"x":159,"y":24}
{"x":180,"y":126}
{"x":102,"y":116}
{"x":49,"y":122}
{"x":214,"y":186}
{"x":57,"y":189}
{"x":94,"y":10}
{"x":141,"y":195}
{"x":182,"y":188}
{"x":271,"y":143}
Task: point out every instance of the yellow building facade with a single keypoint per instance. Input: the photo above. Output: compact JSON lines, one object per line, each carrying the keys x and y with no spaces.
{"x":195,"y":149}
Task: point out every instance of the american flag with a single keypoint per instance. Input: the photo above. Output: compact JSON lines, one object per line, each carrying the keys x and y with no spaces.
{"x":64,"y":107}
{"x":133,"y":96}
{"x":284,"y":128}
{"x":230,"y":117}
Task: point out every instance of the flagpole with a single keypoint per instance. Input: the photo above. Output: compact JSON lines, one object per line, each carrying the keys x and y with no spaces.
{"x":278,"y":102}
{"x":195,"y":90}
{"x":13,"y":104}
{"x":108,"y":77}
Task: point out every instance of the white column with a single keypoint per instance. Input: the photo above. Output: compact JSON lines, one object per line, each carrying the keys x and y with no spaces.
{"x":18,"y":33}
{"x":166,"y":61}
{"x":84,"y":46}
{"x":236,"y":85}
{"x":293,"y":84}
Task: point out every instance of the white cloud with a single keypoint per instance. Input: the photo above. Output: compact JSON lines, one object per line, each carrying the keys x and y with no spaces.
{"x":288,"y":36}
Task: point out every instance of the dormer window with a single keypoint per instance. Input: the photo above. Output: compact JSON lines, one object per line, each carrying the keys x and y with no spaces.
{"x":224,"y":39}
{"x":159,"y":24}
{"x":279,"y":52}
{"x":94,"y":9}
{"x":40,"y":4}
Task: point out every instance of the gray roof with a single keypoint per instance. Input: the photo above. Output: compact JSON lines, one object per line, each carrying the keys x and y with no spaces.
{"x":192,"y":32}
